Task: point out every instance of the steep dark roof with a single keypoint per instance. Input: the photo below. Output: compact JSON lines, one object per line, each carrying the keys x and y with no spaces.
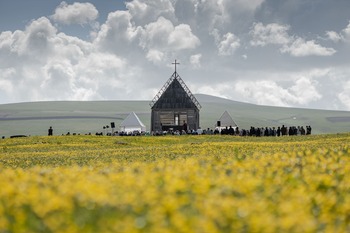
{"x":174,"y":94}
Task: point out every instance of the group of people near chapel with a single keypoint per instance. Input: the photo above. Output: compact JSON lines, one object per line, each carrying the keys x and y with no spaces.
{"x":267,"y":131}
{"x":254,"y":131}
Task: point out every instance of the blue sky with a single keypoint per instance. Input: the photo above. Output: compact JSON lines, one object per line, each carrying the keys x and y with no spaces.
{"x":292,"y":53}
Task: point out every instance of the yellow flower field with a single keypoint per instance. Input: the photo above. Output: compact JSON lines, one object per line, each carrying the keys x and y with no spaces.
{"x":175,"y":184}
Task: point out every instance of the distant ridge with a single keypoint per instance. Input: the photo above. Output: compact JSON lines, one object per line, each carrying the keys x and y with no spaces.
{"x":34,"y":118}
{"x":215,"y":99}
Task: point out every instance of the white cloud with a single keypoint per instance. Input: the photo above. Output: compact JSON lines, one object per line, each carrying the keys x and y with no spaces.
{"x":6,"y":81}
{"x":183,"y":38}
{"x":346,"y":33}
{"x":295,"y":46}
{"x":58,"y":76}
{"x":156,"y":34}
{"x":251,"y":5}
{"x":333,"y":36}
{"x":224,"y":12}
{"x":229,"y":44}
{"x":163,"y":35}
{"x":344,"y":95}
{"x":305,"y":91}
{"x":77,"y":13}
{"x":155,"y":56}
{"x":37,"y":39}
{"x":219,"y":90}
{"x":268,"y":92}
{"x":302,"y":48}
{"x":118,"y":34}
{"x":270,"y":34}
{"x":195,"y":60}
{"x":7,"y":39}
{"x":45,"y":65}
{"x":33,"y":46}
{"x":71,"y":48}
{"x":343,"y":35}
{"x":263,"y":92}
{"x":102,"y":73}
{"x":130,"y":54}
{"x":145,"y":11}
{"x":226,"y":44}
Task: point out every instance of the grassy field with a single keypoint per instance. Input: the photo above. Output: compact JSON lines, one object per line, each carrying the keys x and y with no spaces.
{"x":175,"y":184}
{"x":90,"y":116}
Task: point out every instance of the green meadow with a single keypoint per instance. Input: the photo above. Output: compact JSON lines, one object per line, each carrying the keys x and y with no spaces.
{"x":84,"y":117}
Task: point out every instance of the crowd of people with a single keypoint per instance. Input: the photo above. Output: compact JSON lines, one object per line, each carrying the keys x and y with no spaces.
{"x":236,"y":131}
{"x":267,"y":131}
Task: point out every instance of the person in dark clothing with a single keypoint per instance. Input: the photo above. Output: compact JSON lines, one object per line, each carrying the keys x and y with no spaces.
{"x":284,"y":130}
{"x":266,"y":132}
{"x":258,"y":132}
{"x":224,"y":131}
{"x":290,"y":131}
{"x":252,"y":131}
{"x":308,"y":130}
{"x":237,"y":131}
{"x":278,"y":131}
{"x":184,"y":126}
{"x":50,"y":131}
{"x":231,"y":131}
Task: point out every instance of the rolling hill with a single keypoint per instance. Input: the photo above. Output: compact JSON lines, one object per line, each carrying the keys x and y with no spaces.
{"x":34,"y":118}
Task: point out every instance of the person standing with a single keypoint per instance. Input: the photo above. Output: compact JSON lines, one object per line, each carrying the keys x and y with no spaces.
{"x":184,"y":127}
{"x":50,"y":131}
{"x":278,"y":131}
{"x":284,"y":130}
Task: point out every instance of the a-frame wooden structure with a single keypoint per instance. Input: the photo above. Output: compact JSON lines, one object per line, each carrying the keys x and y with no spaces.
{"x":173,"y":106}
{"x":226,"y":121}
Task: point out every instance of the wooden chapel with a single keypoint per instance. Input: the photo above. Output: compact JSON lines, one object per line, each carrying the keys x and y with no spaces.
{"x":174,"y":107}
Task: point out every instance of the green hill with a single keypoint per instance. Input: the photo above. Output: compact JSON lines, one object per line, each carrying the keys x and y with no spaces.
{"x":83,"y":117}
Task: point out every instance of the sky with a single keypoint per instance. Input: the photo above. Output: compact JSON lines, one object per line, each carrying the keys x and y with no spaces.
{"x":290,"y":53}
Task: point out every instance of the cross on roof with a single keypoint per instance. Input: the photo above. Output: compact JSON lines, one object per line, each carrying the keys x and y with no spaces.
{"x":175,"y":63}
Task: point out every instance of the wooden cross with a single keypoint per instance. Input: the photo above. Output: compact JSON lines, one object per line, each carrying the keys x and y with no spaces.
{"x":175,"y":63}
